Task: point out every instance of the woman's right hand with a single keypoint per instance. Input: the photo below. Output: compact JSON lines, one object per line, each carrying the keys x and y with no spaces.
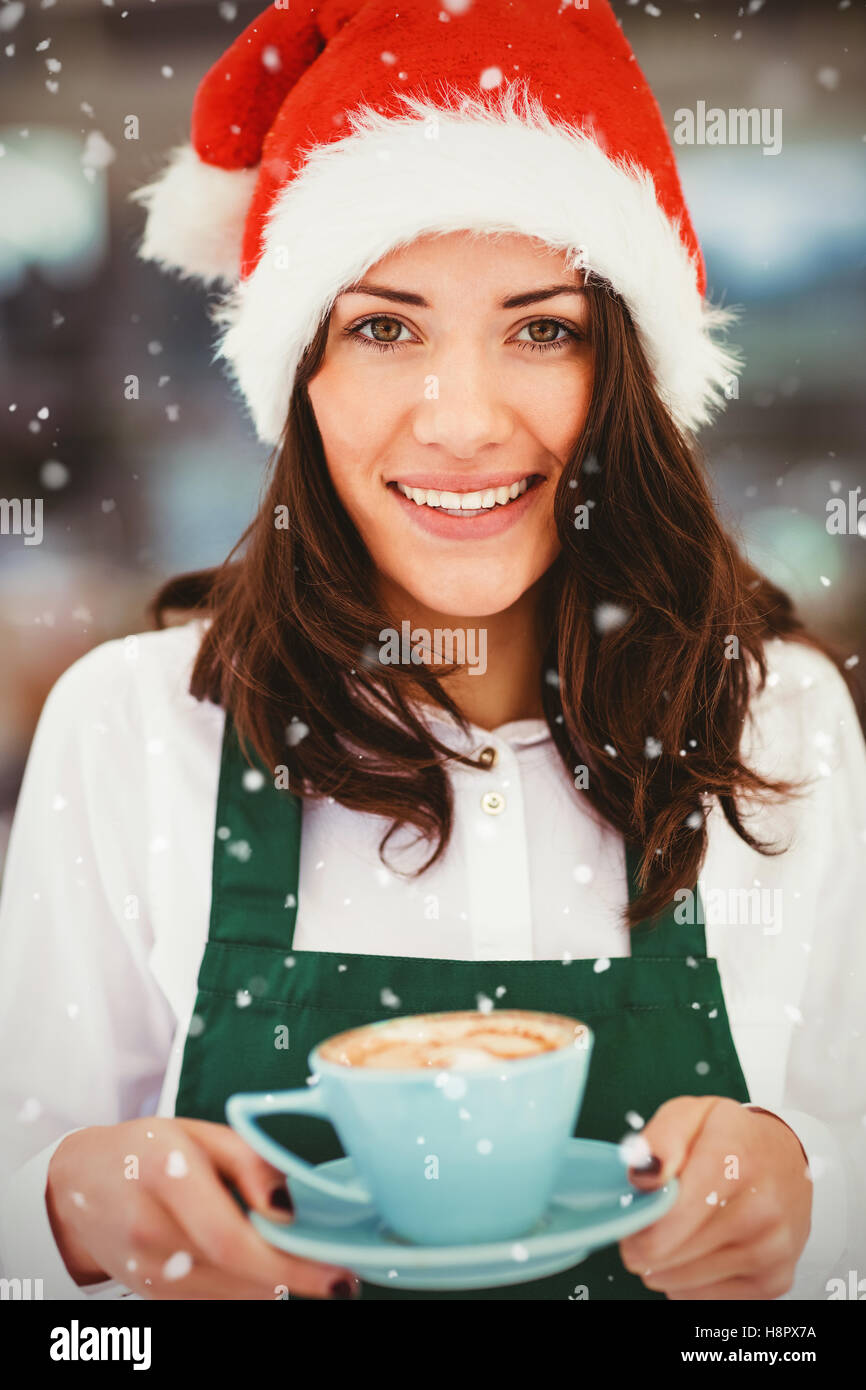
{"x":131,"y":1201}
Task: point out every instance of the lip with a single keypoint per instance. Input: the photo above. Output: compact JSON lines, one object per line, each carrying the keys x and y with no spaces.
{"x":458,"y":482}
{"x":491,"y":523}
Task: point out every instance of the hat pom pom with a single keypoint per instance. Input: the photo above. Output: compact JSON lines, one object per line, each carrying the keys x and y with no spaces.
{"x":196,"y":214}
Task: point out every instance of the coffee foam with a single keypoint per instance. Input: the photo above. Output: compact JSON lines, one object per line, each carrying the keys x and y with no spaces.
{"x":465,"y":1041}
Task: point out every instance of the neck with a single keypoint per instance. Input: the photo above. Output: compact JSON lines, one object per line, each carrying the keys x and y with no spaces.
{"x":501,"y":679}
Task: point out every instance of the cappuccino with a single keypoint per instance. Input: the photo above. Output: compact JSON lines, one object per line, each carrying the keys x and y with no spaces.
{"x":455,"y":1041}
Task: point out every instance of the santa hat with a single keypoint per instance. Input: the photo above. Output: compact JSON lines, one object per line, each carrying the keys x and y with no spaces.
{"x":329,"y":134}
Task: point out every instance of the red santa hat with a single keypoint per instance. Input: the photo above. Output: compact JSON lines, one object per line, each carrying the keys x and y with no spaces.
{"x":330,"y":134}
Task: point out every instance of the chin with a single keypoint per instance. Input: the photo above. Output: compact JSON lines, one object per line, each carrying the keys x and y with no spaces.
{"x":465,"y":600}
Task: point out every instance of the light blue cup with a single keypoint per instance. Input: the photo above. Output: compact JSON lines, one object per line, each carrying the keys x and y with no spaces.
{"x":445,"y":1157}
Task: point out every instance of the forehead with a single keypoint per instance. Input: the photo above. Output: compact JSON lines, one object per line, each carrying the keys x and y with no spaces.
{"x":469,"y":262}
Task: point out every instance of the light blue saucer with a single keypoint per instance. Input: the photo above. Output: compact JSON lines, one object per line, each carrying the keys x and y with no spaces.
{"x":594,"y":1205}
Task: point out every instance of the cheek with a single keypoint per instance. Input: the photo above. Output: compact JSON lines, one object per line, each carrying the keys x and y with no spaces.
{"x":555,"y":410}
{"x":349,"y":436}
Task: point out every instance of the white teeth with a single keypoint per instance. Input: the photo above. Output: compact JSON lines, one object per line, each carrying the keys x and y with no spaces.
{"x":460,"y":502}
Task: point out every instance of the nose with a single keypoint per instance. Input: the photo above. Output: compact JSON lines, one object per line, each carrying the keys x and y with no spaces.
{"x":463,"y":408}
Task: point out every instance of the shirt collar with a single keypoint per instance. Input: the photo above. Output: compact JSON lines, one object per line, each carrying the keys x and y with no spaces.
{"x":518,"y":733}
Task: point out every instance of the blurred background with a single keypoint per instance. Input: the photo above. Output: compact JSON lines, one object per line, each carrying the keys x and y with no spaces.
{"x":137,"y":490}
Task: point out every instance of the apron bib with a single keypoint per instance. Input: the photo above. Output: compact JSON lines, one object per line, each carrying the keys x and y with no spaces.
{"x":659,"y":1018}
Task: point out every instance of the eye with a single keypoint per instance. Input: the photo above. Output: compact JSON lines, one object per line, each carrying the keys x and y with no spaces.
{"x":547,"y":341}
{"x":388,"y":342}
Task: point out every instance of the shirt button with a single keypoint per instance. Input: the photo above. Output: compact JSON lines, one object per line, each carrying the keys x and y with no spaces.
{"x":488,"y":757}
{"x":493,"y":803}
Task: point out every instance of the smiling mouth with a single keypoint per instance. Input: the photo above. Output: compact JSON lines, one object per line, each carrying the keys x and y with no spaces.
{"x":468,"y":504}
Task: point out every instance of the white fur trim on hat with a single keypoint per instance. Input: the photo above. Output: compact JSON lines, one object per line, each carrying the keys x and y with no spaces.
{"x":196,"y":217}
{"x":467,"y":165}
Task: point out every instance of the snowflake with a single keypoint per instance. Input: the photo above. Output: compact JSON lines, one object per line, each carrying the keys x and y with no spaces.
{"x":178,"y":1265}
{"x":239,"y":849}
{"x":452,"y":1087}
{"x":610,"y":616}
{"x":176,"y":1165}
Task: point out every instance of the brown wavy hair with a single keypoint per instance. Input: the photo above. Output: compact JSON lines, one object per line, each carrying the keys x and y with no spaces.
{"x":295,"y":623}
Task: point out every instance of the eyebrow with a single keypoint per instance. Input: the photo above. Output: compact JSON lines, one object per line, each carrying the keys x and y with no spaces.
{"x":514,"y":301}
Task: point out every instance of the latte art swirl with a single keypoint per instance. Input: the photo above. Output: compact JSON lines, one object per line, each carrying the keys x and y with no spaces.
{"x":453,"y":1041}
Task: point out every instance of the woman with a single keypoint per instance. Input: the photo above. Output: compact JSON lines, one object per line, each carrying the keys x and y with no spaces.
{"x":489,"y":706}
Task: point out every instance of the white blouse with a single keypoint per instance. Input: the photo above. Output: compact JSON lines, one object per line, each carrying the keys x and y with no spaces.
{"x":105,"y":909}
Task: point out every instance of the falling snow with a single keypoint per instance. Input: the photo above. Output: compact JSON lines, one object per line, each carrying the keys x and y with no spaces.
{"x":634,"y":1151}
{"x":177,"y":1266}
{"x":608,"y":617}
{"x":176,"y":1165}
{"x":239,"y":849}
{"x":96,"y":155}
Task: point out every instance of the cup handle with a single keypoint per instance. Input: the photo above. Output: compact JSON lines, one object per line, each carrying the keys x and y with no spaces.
{"x":244,"y":1109}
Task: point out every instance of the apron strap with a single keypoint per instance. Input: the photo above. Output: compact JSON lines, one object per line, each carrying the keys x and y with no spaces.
{"x":665,"y":936}
{"x":257,"y":850}
{"x":264,"y":881}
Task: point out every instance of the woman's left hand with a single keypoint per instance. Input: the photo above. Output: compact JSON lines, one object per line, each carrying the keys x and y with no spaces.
{"x":743,"y":1211}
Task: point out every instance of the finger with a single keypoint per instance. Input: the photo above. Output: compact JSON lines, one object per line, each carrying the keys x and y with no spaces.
{"x":139,"y":1240}
{"x":772,"y":1285}
{"x":735,"y":1261}
{"x":152,"y":1255}
{"x":697,"y":1200}
{"x":262,"y":1186}
{"x":742,"y":1220}
{"x":200,"y":1203}
{"x":165,"y":1263}
{"x":670,"y":1136}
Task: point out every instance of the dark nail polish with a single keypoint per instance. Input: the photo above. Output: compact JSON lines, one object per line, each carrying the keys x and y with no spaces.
{"x":649,"y":1169}
{"x":281,"y":1200}
{"x":341,"y":1288}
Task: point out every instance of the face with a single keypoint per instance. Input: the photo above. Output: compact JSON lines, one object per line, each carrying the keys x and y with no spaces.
{"x":455,"y":380}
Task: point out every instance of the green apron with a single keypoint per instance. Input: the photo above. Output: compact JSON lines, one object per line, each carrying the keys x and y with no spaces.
{"x":659,"y":1017}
